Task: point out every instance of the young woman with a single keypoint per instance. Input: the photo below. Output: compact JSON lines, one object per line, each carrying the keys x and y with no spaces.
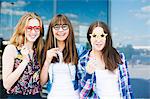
{"x":59,"y":65}
{"x":21,"y":59}
{"x":102,"y":70}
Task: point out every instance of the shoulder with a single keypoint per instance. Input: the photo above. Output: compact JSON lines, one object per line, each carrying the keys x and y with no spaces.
{"x":83,"y":59}
{"x":84,"y":54}
{"x":10,"y":49}
{"x":122,"y":56}
{"x":80,"y":48}
{"x":123,"y":66}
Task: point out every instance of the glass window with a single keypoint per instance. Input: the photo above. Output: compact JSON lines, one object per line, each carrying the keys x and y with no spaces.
{"x":131,"y":35}
{"x":82,"y":13}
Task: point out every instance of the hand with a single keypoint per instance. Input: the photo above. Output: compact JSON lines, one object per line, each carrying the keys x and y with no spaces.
{"x":25,"y":52}
{"x":51,"y":53}
{"x":60,"y":54}
{"x":91,"y":66}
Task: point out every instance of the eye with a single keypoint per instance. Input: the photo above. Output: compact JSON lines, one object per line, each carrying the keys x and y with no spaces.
{"x":65,"y":27}
{"x":29,"y":27}
{"x":94,"y":35}
{"x":37,"y":28}
{"x":57,"y":27}
{"x":102,"y":35}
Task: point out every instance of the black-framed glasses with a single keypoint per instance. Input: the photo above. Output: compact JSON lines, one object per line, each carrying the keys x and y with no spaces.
{"x":63,"y":26}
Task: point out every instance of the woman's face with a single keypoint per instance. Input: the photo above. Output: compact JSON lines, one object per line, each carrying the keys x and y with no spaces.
{"x":32,"y":30}
{"x":61,"y":31}
{"x":98,"y":39}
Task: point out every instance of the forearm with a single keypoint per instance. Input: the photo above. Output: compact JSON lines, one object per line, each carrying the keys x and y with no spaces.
{"x":86,"y":85}
{"x":9,"y":81}
{"x":44,"y":73}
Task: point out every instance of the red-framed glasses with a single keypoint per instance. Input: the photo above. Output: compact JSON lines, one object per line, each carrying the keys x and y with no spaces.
{"x":36,"y":28}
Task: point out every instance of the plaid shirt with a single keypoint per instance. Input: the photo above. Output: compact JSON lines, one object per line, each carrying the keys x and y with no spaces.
{"x":87,"y":82}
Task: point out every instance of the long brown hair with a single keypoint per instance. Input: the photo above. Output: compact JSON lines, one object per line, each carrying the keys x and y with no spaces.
{"x":18,"y":37}
{"x":69,"y":52}
{"x":110,"y":55}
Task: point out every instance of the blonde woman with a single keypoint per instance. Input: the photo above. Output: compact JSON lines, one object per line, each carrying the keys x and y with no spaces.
{"x":21,"y":59}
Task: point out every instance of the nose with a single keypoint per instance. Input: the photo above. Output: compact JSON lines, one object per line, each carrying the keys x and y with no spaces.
{"x":60,"y":29}
{"x":99,"y":39}
{"x":32,"y":31}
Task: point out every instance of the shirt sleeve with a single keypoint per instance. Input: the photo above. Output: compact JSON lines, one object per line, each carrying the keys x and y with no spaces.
{"x":129,"y":93}
{"x":85,"y":80}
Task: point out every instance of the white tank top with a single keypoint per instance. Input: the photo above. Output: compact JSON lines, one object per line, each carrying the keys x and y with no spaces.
{"x":62,"y":86}
{"x":107,"y":84}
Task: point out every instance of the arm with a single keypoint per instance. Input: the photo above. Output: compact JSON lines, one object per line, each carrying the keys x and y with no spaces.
{"x":129,"y":88}
{"x":85,"y":81}
{"x":127,"y":78}
{"x":10,"y":76}
{"x":44,"y":72}
{"x":86,"y":85}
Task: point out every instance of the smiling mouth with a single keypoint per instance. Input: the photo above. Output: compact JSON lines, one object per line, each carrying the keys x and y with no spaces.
{"x":33,"y":36}
{"x":61,"y":34}
{"x":99,"y":44}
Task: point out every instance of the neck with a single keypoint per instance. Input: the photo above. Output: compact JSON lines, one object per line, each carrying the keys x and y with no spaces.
{"x":96,"y":54}
{"x":29,"y":45}
{"x":61,"y":45}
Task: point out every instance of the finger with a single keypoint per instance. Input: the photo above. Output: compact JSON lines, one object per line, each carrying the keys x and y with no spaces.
{"x":54,"y":55}
{"x":91,"y":66}
{"x":90,"y":70}
{"x":24,"y":50}
{"x":23,"y":47}
{"x":30,"y":50}
{"x":49,"y":52}
{"x":55,"y":49}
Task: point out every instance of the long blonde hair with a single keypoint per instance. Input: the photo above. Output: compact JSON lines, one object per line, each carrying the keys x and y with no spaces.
{"x":18,"y":37}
